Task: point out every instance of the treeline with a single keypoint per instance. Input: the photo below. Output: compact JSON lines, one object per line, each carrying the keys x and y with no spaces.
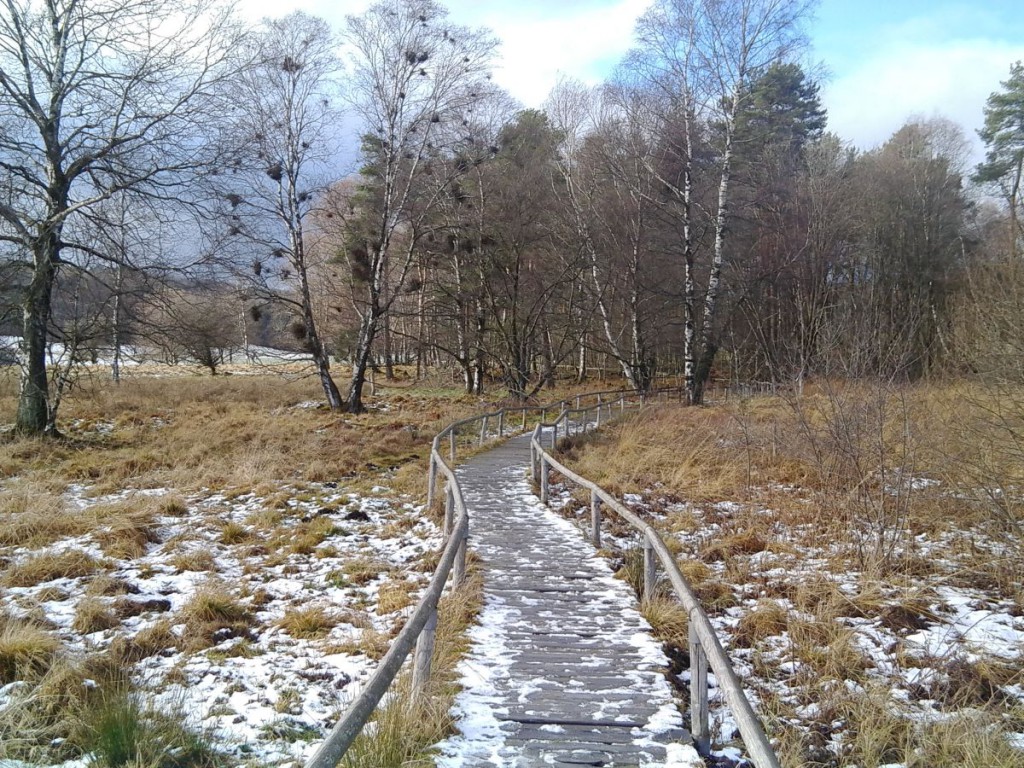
{"x":692,"y":215}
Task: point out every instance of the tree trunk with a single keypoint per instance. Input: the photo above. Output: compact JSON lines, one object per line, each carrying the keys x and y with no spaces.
{"x":33,"y":401}
{"x":361,"y":360}
{"x":708,"y":346}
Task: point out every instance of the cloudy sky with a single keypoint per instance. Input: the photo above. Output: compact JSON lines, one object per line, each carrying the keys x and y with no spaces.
{"x":883,"y":60}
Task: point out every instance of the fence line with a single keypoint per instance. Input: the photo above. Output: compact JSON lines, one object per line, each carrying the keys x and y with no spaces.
{"x":705,"y":647}
{"x":419,"y":631}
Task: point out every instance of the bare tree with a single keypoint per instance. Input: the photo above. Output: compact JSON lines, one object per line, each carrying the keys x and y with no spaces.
{"x":287,"y":142}
{"x":99,"y":97}
{"x":608,"y":169}
{"x":416,"y":78}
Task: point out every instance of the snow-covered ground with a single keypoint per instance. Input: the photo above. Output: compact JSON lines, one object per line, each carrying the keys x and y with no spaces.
{"x":264,"y":694}
{"x":914,"y":638}
{"x":132,"y":355}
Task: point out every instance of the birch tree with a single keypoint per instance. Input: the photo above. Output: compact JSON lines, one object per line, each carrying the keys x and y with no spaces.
{"x":98,"y":97}
{"x":287,"y":135}
{"x":607,"y":194}
{"x":697,"y":57}
{"x":416,"y":78}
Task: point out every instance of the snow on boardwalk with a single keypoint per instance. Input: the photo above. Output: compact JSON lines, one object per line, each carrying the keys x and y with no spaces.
{"x":562,"y":669}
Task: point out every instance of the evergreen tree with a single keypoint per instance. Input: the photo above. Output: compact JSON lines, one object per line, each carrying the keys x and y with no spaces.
{"x":1003,"y":134}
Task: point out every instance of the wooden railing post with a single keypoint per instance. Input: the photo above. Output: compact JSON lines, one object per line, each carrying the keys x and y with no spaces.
{"x":599,"y":409}
{"x":699,"y":728}
{"x":449,"y":510}
{"x":650,"y":569}
{"x":577,"y":401}
{"x":451,"y":445}
{"x":524,"y":419}
{"x":565,"y":426}
{"x":622,"y":404}
{"x":459,"y":568}
{"x":424,"y":655}
{"x":543,"y":480}
{"x":483,"y":430}
{"x":595,"y":520}
{"x":501,"y":423}
{"x":432,"y":475}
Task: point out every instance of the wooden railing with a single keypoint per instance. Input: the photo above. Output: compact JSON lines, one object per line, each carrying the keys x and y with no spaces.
{"x":705,"y":646}
{"x":420,"y":630}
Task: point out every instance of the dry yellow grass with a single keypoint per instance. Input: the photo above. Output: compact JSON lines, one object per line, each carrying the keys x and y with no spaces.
{"x":36,"y":569}
{"x":213,"y":614}
{"x":394,"y":596}
{"x":667,"y":618}
{"x":308,"y":623}
{"x":94,"y":615}
{"x":189,"y":432}
{"x":26,"y":650}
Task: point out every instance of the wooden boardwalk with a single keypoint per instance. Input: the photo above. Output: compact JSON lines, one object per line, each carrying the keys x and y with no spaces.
{"x":562,"y":670}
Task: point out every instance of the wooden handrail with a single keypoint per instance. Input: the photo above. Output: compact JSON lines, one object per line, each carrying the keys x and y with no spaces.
{"x":419,"y":630}
{"x":705,"y":647}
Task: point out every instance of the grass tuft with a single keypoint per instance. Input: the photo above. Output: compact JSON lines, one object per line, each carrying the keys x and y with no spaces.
{"x":37,"y":569}
{"x":26,"y":650}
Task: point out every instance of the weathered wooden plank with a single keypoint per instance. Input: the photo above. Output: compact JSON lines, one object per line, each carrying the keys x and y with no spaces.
{"x":574,"y":687}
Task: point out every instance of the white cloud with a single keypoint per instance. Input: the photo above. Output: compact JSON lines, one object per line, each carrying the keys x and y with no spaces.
{"x":952,"y":79}
{"x":579,"y":40}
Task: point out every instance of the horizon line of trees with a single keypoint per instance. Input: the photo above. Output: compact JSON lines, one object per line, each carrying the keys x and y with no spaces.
{"x":692,"y":215}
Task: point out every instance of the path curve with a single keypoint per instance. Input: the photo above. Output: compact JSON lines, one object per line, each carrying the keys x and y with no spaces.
{"x":562,"y":669}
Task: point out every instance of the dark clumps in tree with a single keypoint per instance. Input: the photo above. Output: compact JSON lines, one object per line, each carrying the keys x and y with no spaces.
{"x":360,"y":261}
{"x":279,"y":253}
{"x":255,"y":313}
{"x":275,"y":171}
{"x":410,"y":56}
{"x":257,"y":267}
{"x":298,"y":330}
{"x":234,"y":200}
{"x":291,"y":65}
{"x":413,"y":285}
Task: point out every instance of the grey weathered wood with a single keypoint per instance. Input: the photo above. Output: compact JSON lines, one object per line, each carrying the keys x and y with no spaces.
{"x":501,"y":423}
{"x":453,"y":563}
{"x":595,"y":520}
{"x":650,"y":569}
{"x":750,"y":727}
{"x":699,"y":694}
{"x":571,"y":668}
{"x":424,"y":655}
{"x":459,"y":569}
{"x":483,"y":429}
{"x":432,"y":476}
{"x":449,"y":509}
{"x":543,"y":480}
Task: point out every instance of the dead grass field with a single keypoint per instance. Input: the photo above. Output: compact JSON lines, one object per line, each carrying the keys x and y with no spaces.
{"x":860,"y":549}
{"x":200,"y":541}
{"x":205,"y":567}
